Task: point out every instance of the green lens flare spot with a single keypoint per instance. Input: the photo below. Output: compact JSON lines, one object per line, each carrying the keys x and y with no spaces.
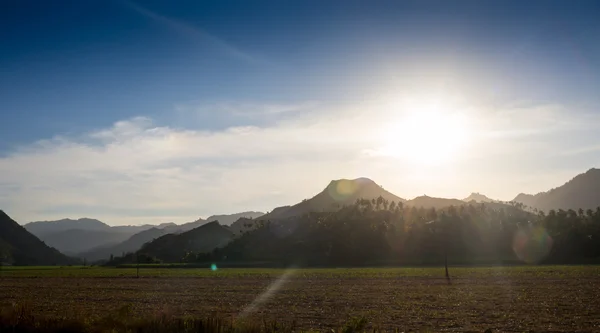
{"x":213,"y":267}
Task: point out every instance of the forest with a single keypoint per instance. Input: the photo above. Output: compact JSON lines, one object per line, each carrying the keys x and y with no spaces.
{"x":380,"y":232}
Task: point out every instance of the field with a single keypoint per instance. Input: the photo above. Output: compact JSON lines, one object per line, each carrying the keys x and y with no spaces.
{"x":503,"y":299}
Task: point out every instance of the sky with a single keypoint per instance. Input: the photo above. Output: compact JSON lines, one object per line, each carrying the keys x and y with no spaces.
{"x":162,"y":111}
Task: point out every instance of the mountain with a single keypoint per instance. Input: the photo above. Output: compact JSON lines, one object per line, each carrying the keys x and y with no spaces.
{"x":583,"y":191}
{"x":75,"y":241}
{"x":175,"y":228}
{"x":173,"y":247}
{"x":477,"y":197}
{"x":75,"y":236}
{"x":131,"y":229}
{"x":431,"y":202}
{"x":20,"y":247}
{"x":136,"y":241}
{"x":131,"y":244}
{"x":229,"y":219}
{"x":337,"y":194}
{"x":241,"y":225}
{"x":41,"y":228}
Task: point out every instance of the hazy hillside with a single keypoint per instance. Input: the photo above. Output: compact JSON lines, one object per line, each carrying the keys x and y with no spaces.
{"x":41,"y":228}
{"x":363,"y":234}
{"x":583,"y":191}
{"x":176,"y":228}
{"x":132,"y":244}
{"x":173,"y":247}
{"x":132,"y":229}
{"x":229,"y":219}
{"x":431,"y":202}
{"x":242,"y":224}
{"x":478,"y":197}
{"x":337,"y":194}
{"x":75,"y":236}
{"x":19,"y":247}
{"x":75,"y":241}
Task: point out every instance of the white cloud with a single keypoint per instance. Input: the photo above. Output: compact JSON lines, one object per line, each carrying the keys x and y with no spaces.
{"x":137,"y":171}
{"x":135,"y":166}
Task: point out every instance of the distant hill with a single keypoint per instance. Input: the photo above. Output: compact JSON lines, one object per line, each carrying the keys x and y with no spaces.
{"x":477,"y":197}
{"x":132,"y":244}
{"x":20,"y":247}
{"x":74,"y":236}
{"x":41,"y":228}
{"x":74,"y":241}
{"x":337,"y":194}
{"x":229,"y":219}
{"x":583,"y":191}
{"x":135,"y":242}
{"x":173,"y":247}
{"x":179,"y":228}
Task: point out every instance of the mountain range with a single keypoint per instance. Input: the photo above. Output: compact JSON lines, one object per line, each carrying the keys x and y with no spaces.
{"x":74,"y":236}
{"x":136,"y":241}
{"x":95,"y":240}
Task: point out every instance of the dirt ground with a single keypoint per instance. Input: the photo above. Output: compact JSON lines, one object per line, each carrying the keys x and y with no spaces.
{"x":503,"y":301}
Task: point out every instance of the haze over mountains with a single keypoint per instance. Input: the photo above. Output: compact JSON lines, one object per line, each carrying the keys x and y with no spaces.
{"x":136,"y":241}
{"x":95,"y":240}
{"x":74,"y":236}
{"x":92,"y":238}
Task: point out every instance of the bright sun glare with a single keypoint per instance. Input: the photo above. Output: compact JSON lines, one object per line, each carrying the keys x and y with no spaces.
{"x":427,"y":133}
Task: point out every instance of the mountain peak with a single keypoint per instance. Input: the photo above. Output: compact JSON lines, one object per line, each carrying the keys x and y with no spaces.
{"x":361,"y":180}
{"x":477,"y":197}
{"x":338,"y":193}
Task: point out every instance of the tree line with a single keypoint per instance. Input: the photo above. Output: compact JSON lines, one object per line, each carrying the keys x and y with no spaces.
{"x":373,"y":232}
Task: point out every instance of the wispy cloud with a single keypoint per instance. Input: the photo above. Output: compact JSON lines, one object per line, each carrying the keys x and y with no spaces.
{"x":196,"y":33}
{"x":247,"y":109}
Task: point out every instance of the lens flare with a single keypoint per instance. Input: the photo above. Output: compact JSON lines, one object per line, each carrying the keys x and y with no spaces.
{"x":343,"y":189}
{"x":213,"y":267}
{"x":532,"y":245}
{"x":267,"y":294}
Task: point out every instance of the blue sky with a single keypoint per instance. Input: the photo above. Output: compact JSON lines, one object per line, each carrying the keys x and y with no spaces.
{"x":153,"y":111}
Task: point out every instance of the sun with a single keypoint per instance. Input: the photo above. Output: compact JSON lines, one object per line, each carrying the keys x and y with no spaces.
{"x":426,"y":134}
